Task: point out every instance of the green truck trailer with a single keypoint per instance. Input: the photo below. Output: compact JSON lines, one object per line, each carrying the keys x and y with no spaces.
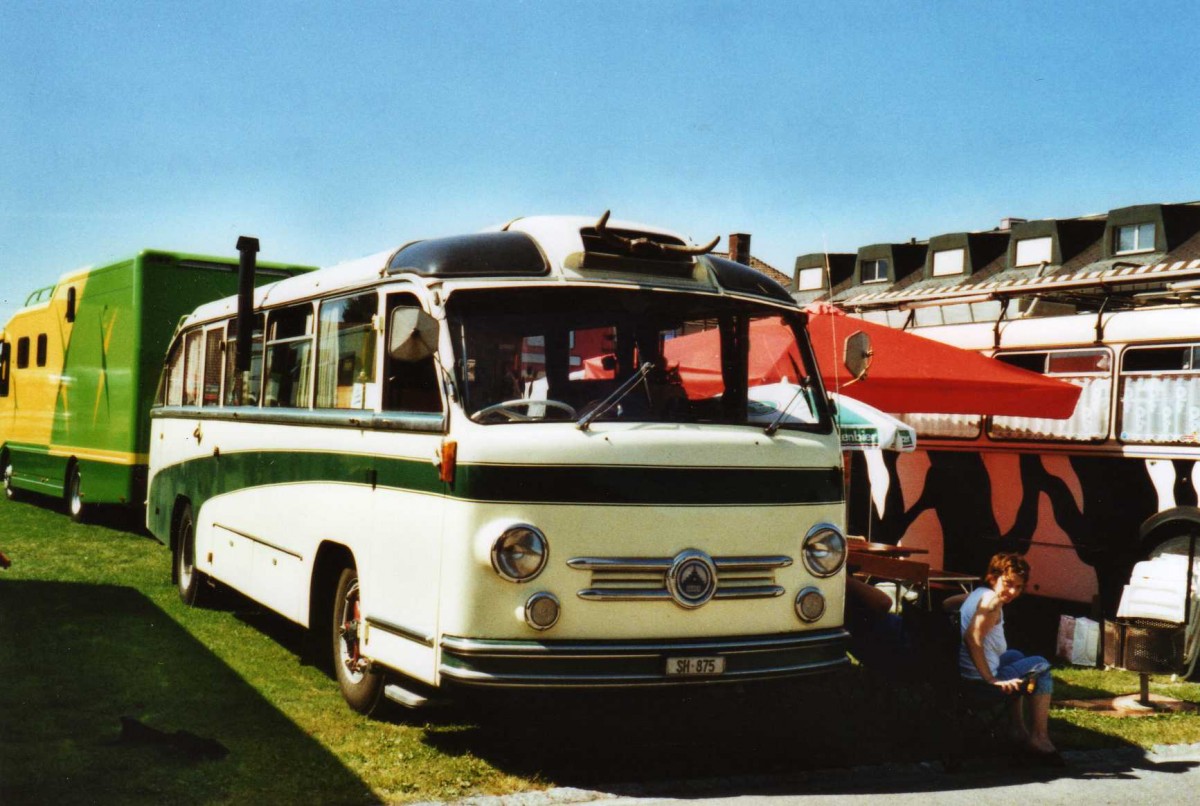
{"x":79,"y":366}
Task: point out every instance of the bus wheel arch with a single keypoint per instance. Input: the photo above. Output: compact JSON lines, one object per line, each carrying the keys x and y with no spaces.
{"x":189,"y":582}
{"x":360,"y":683}
{"x":1166,"y":525}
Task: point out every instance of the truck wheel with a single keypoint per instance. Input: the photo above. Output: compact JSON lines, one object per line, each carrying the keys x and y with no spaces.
{"x":361,"y":687}
{"x":74,"y":496}
{"x":10,"y":492}
{"x":190,"y":582}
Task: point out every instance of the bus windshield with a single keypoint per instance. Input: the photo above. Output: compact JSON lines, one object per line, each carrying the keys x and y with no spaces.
{"x":530,"y":355}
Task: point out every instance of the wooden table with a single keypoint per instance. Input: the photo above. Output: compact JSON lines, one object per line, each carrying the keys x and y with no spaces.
{"x":886,"y":567}
{"x":860,"y":546}
{"x":885,"y":562}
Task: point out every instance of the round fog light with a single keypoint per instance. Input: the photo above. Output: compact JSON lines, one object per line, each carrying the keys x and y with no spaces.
{"x":541,"y":611}
{"x":810,"y":604}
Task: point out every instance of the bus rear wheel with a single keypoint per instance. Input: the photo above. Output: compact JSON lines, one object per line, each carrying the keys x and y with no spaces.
{"x":74,"y":495}
{"x":189,"y":582}
{"x":361,"y":686}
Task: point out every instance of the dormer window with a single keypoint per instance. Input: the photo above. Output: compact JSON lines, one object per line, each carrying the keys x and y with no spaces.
{"x":874,"y":271}
{"x":948,"y":262}
{"x":810,"y":279}
{"x":1133,"y":238}
{"x":1033,"y":251}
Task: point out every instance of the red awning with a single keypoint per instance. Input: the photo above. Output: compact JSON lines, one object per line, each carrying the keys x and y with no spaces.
{"x":908,"y":373}
{"x":911,"y":373}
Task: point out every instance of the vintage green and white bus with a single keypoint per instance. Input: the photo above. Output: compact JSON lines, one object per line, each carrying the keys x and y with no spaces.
{"x":468,"y":463}
{"x":79,"y":365}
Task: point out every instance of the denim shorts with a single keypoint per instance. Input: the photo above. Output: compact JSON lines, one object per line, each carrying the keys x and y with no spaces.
{"x":1015,"y":663}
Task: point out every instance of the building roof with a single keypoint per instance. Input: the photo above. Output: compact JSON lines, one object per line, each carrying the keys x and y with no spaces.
{"x":1082,"y":263}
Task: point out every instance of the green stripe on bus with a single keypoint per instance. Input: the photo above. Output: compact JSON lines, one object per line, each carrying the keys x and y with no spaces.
{"x":201,"y":479}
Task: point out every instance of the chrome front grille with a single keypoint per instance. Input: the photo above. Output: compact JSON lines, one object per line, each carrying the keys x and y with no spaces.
{"x":628,"y":579}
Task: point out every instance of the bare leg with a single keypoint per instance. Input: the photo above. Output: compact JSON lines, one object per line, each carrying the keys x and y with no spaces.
{"x":1016,"y":727}
{"x":1039,"y":738}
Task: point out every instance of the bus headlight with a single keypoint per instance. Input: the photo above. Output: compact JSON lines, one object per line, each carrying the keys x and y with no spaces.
{"x":541,"y":611}
{"x":520,"y":553}
{"x":810,"y":604}
{"x":824,"y":550}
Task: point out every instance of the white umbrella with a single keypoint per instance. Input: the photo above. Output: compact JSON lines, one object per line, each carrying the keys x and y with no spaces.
{"x":862,"y":426}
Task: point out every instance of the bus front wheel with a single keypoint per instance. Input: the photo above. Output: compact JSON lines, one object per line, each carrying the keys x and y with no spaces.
{"x":361,"y":686}
{"x":188,"y":580}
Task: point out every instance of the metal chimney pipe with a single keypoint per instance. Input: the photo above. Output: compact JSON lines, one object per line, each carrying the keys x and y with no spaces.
{"x":247,"y":261}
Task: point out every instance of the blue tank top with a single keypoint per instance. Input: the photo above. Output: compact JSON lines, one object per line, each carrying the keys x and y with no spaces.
{"x":994,"y":643}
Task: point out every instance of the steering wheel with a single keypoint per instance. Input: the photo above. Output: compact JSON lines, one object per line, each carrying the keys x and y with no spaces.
{"x":506,"y":408}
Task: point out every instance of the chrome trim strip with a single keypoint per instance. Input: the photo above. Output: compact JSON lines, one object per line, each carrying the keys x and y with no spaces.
{"x":434,"y":423}
{"x":634,"y":649}
{"x":402,"y":632}
{"x":259,"y":540}
{"x":664,"y":563}
{"x":639,"y":595}
{"x":750,"y":592}
{"x":751,"y":563}
{"x":625,"y":594}
{"x":619,"y":564}
{"x":467,"y":676}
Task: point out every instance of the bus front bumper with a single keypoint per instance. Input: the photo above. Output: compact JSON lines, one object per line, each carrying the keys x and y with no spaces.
{"x":594,"y":664}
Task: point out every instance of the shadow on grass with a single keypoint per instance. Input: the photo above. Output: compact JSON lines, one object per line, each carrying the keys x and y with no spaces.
{"x":109,"y":516}
{"x":76,"y":658}
{"x":759,"y":738}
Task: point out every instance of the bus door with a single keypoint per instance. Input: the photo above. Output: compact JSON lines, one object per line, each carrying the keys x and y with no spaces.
{"x":400,"y":582}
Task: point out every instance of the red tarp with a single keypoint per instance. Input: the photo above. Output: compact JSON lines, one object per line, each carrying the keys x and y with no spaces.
{"x":908,"y":373}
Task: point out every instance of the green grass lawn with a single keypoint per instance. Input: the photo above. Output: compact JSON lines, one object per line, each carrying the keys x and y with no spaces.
{"x":91,"y":630}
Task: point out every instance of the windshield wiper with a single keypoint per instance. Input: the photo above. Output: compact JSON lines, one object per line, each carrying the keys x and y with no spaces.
{"x":774,"y":426}
{"x":616,"y":397}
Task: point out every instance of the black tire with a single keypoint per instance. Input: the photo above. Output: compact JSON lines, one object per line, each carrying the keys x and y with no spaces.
{"x":73,"y":495}
{"x":191,"y":584}
{"x":362,"y":687}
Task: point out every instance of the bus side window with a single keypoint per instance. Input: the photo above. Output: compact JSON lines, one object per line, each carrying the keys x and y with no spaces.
{"x":409,"y":385}
{"x":171,"y":391}
{"x":22,"y":352}
{"x":256,"y":352}
{"x":4,"y":361}
{"x":71,"y":294}
{"x":191,"y":369}
{"x":212,"y":366}
{"x":289,"y":357}
{"x":42,"y":348}
{"x":346,"y":352}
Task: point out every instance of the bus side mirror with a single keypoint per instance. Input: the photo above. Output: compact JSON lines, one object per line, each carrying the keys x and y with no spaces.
{"x":412,"y":334}
{"x":858,"y":354}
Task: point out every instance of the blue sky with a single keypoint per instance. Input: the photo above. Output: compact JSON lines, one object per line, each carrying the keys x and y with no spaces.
{"x":334,"y":130}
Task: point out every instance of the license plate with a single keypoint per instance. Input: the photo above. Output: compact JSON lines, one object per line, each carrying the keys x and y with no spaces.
{"x":686,"y":667}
